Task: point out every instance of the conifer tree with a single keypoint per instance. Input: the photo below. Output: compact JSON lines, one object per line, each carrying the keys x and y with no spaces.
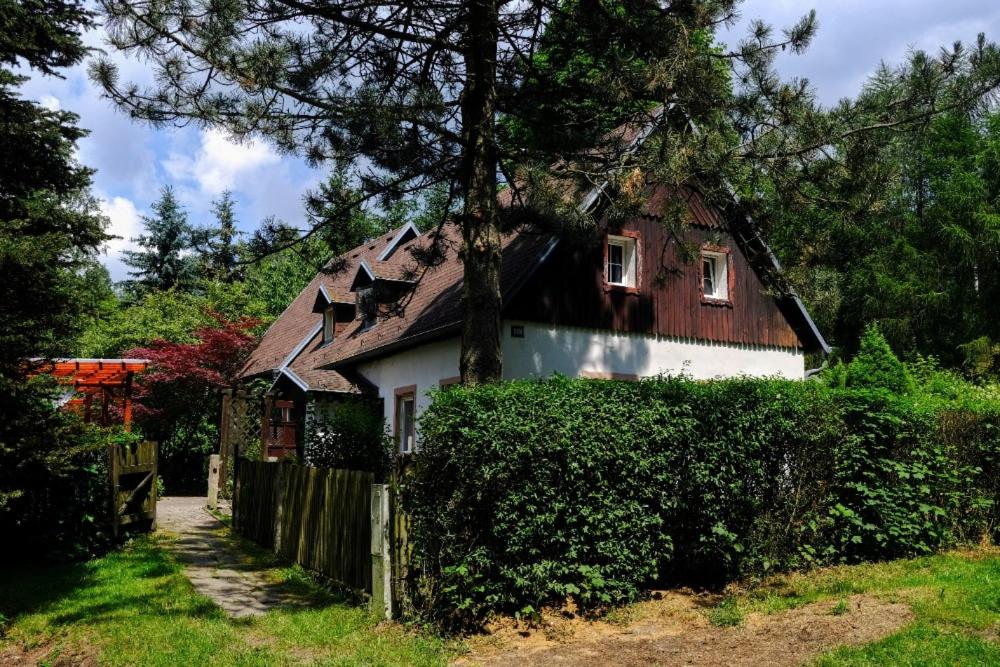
{"x":50,"y":232}
{"x":165,"y":260}
{"x":218,"y":245}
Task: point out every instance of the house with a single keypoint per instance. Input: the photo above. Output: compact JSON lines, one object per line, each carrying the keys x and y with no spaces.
{"x":623,"y":303}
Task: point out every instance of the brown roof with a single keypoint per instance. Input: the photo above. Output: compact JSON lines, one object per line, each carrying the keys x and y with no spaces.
{"x":432,"y":307}
{"x":298,"y":320}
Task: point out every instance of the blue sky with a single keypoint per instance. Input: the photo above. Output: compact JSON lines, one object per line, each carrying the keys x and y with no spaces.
{"x":134,"y":161}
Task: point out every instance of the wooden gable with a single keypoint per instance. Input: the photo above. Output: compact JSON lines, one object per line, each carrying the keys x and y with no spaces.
{"x":570,"y":289}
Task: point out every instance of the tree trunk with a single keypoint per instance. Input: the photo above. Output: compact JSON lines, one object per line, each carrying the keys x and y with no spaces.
{"x":480,"y":358}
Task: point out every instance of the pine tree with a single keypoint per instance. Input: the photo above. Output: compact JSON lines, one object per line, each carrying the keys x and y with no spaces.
{"x":342,"y":229}
{"x":407,"y":96}
{"x":165,"y":261}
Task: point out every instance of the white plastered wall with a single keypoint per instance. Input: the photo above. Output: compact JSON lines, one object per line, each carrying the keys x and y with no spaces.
{"x":423,"y":366}
{"x":573,"y":352}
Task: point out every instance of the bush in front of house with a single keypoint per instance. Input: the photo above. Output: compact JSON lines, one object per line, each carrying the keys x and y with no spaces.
{"x":348,"y":433}
{"x":527,"y":493}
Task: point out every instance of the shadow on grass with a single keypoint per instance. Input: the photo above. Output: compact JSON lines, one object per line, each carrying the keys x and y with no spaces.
{"x":138,"y":578}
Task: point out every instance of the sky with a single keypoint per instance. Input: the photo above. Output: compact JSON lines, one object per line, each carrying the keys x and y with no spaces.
{"x":134,"y":160}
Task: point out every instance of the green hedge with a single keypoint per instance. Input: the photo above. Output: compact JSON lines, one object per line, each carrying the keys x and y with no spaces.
{"x":526,"y":493}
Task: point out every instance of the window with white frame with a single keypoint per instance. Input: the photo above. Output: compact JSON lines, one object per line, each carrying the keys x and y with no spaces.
{"x":406,"y":428}
{"x":715,"y":275}
{"x":622,"y":264}
{"x":329,"y":324}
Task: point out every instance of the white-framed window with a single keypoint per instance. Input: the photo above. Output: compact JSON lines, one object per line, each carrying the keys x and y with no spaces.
{"x":715,"y":275}
{"x":406,"y":425}
{"x":329,"y":324}
{"x":621,"y":261}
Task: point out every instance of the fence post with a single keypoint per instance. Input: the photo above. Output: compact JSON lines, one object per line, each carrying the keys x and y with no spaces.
{"x":279,"y":505}
{"x":236,"y":495}
{"x":382,"y":598}
{"x":214,"y":467}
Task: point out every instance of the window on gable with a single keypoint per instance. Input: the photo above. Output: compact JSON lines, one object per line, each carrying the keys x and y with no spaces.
{"x":621,"y":261}
{"x":329,"y":324}
{"x":715,"y":275}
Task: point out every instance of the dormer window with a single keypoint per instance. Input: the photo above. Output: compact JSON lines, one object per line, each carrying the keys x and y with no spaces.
{"x":621,"y":261}
{"x":329,"y":325}
{"x":367,"y":306}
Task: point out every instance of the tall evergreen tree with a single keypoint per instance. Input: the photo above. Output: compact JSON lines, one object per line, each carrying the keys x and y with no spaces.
{"x":407,"y":95}
{"x":50,"y":230}
{"x":166,"y":260}
{"x":901,"y":228}
{"x":218,"y":245}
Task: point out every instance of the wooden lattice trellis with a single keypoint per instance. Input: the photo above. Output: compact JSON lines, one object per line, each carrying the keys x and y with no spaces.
{"x":240,"y":431}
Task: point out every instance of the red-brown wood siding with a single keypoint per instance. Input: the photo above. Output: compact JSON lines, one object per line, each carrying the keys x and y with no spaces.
{"x":570,"y":290}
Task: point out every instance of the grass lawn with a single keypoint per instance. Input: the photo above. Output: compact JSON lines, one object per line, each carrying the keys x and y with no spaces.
{"x":955,"y":598}
{"x":135,"y":607}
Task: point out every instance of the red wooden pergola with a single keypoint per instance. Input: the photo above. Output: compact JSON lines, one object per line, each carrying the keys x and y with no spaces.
{"x":95,"y":386}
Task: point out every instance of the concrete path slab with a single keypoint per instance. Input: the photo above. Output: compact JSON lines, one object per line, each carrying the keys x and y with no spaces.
{"x":216,"y":568}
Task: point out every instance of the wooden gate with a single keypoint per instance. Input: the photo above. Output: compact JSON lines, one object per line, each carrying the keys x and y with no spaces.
{"x":133,"y":486}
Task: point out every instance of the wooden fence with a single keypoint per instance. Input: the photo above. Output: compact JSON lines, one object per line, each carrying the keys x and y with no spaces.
{"x":320,"y":518}
{"x":133,"y":485}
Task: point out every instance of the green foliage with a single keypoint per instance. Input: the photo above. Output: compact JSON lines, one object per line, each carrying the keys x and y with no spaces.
{"x":163,"y":262}
{"x":876,"y":367}
{"x":159,"y":315}
{"x":527,"y":493}
{"x":52,"y":485}
{"x":217,"y":246}
{"x":726,"y":614}
{"x":275,"y":280}
{"x":902,"y":228}
{"x":53,"y":478}
{"x":348,"y":433}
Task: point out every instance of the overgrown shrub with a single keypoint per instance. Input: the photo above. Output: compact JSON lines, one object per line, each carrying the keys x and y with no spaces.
{"x":348,"y":434}
{"x":527,"y":493}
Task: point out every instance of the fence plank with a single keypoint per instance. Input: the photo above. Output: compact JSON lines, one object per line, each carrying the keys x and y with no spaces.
{"x":321,"y":517}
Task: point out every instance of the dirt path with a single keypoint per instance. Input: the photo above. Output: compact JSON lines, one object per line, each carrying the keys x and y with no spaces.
{"x":215,"y":567}
{"x":674,"y":632}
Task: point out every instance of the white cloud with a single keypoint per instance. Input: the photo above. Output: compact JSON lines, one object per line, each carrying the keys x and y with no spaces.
{"x":50,"y":102}
{"x":126,"y":223}
{"x":220,"y":162}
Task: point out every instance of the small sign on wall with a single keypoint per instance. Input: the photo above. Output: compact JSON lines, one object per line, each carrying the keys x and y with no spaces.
{"x":517,"y":331}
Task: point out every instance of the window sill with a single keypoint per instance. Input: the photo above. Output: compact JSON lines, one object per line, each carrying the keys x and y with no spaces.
{"x":624,"y":289}
{"x":712,"y":301}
